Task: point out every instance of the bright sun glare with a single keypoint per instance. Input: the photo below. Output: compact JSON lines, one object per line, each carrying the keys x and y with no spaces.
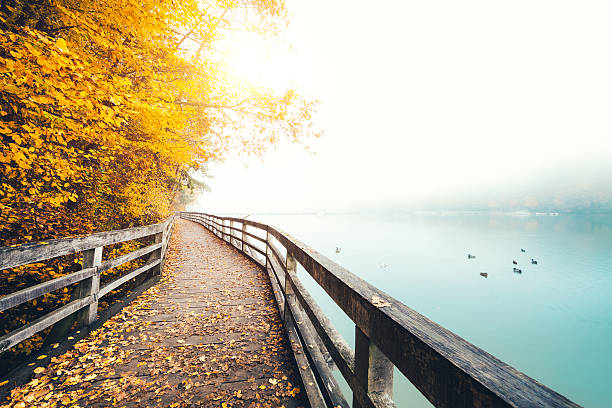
{"x":255,"y":63}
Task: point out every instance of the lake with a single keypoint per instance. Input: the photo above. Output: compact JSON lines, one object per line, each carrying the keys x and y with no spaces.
{"x":553,"y":321}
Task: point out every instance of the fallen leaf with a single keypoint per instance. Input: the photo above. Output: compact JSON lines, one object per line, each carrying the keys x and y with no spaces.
{"x":379,"y":302}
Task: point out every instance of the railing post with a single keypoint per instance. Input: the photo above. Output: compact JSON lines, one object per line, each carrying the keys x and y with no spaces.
{"x":244,"y":237}
{"x":90,"y":287}
{"x":165,"y":239}
{"x":373,"y":370}
{"x":289,"y":294}
{"x":157,"y":254}
{"x":230,"y":231}
{"x":267,"y":245}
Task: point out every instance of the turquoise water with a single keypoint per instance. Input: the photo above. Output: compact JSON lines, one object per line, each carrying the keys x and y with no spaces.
{"x":553,"y":321}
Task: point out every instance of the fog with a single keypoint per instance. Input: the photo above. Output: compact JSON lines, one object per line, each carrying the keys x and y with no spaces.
{"x":486,"y":105}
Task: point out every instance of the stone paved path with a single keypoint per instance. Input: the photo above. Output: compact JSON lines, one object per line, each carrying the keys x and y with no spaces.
{"x":208,"y":335}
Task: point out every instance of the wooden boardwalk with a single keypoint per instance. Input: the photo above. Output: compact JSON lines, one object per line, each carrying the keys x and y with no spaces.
{"x":209,"y":334}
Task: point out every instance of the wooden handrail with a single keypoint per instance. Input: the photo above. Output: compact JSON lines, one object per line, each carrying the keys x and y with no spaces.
{"x":448,"y":370}
{"x":11,"y":257}
{"x":89,"y":291}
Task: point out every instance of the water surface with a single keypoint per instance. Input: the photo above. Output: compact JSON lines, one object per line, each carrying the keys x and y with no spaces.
{"x":553,"y":321}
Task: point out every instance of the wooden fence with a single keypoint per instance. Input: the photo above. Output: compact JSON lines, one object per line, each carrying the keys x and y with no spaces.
{"x":446,"y":369}
{"x":85,"y":303}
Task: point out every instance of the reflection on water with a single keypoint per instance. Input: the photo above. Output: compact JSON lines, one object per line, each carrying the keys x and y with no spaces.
{"x":553,"y":321}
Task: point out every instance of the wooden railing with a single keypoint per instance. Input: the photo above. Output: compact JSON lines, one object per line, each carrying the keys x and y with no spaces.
{"x":85,"y":303}
{"x":446,"y":369}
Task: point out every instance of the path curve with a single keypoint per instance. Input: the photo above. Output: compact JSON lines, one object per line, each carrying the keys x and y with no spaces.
{"x":208,"y":335}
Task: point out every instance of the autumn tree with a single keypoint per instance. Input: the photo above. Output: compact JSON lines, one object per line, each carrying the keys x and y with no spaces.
{"x":107,"y":106}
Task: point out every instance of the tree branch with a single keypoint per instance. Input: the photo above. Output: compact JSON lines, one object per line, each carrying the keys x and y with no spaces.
{"x":212,"y":105}
{"x":55,"y":30}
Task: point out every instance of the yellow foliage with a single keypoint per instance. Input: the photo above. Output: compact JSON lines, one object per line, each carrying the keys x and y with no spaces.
{"x":106,"y":107}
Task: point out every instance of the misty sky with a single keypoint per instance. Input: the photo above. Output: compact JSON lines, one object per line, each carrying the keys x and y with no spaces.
{"x":440,"y":104}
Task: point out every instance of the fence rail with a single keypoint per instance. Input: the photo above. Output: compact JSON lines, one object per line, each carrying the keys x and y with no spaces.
{"x":85,"y":302}
{"x":445,"y":368}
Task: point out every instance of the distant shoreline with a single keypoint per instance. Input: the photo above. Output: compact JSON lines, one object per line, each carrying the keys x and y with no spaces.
{"x":520,"y":213}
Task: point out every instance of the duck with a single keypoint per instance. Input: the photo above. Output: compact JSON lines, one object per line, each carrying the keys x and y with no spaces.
{"x":484,"y":274}
{"x":470,"y":256}
{"x":517,"y":270}
{"x":522,"y":250}
{"x":338,"y":250}
{"x":534,"y":262}
{"x":514,"y":262}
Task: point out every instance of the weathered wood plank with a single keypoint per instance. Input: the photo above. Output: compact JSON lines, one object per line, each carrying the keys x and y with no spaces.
{"x":256,"y":224}
{"x":277,"y":254}
{"x":336,"y":345}
{"x":241,"y":220}
{"x":308,"y":379}
{"x":120,"y":281}
{"x":328,"y":385}
{"x":373,"y":373}
{"x":88,"y":288}
{"x":166,"y":241}
{"x":120,"y":260}
{"x":157,"y":254}
{"x":332,"y":340}
{"x":19,"y":335}
{"x":27,"y":294}
{"x":278,"y":269}
{"x":251,"y":255}
{"x":251,"y":246}
{"x":11,"y":257}
{"x":256,"y":237}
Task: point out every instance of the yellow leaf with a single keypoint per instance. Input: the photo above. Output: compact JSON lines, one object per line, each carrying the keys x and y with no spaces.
{"x":39,"y":370}
{"x":61,"y":44}
{"x":41,"y":357}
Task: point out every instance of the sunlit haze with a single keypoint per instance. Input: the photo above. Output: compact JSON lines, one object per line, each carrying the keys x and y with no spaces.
{"x":474,"y":104}
{"x":253,"y":61}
